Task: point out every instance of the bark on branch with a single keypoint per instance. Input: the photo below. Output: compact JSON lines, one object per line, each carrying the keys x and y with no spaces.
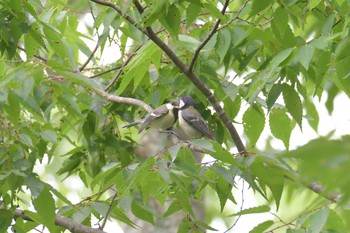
{"x":62,"y":222}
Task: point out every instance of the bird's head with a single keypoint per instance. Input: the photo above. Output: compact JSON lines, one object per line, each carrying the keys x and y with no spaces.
{"x":186,"y":101}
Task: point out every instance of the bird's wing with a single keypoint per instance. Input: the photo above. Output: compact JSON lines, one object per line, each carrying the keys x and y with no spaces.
{"x":198,"y":123}
{"x":156,"y":113}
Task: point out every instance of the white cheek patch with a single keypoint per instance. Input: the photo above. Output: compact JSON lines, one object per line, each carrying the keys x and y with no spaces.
{"x":169,"y":106}
{"x":181,"y":103}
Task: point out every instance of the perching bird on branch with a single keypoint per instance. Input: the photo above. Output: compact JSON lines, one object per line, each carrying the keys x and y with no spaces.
{"x":191,"y":121}
{"x":161,"y":118}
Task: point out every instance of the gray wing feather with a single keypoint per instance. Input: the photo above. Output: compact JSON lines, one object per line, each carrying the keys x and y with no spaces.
{"x":156,"y":113}
{"x":197,"y":122}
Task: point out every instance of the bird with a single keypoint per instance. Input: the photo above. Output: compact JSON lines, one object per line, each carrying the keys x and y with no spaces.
{"x":162,"y":117}
{"x":191,"y":121}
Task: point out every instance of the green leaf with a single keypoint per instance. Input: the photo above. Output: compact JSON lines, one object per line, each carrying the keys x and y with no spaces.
{"x":223,"y":43}
{"x":192,"y":11}
{"x":313,"y":3}
{"x":223,"y":155}
{"x":293,"y":103}
{"x":44,"y":204}
{"x":305,"y":55}
{"x":280,"y":57}
{"x":262,"y":227}
{"x":138,"y":67}
{"x":31,"y":46}
{"x":253,"y":210}
{"x":185,"y":226}
{"x":318,"y":220}
{"x":204,"y":225}
{"x":25,"y":139}
{"x":13,"y":108}
{"x":312,"y":115}
{"x":259,"y":6}
{"x":280,"y":125}
{"x":214,"y":11}
{"x":254,"y":122}
{"x":172,"y":20}
{"x":273,"y":95}
{"x":5,"y":219}
{"x":49,"y":135}
{"x":141,"y":212}
{"x":223,"y":190}
{"x":35,"y":185}
{"x":173,"y":208}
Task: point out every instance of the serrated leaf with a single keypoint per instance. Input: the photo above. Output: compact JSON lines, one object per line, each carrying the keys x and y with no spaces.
{"x":138,"y":67}
{"x":223,"y":155}
{"x":305,"y":54}
{"x":318,"y":220}
{"x":173,"y":208}
{"x":280,"y":125}
{"x":204,"y":225}
{"x":293,"y":103}
{"x":214,"y":11}
{"x":254,"y":122}
{"x":192,"y":11}
{"x":171,"y":21}
{"x":280,"y":57}
{"x":142,"y":213}
{"x":25,"y":139}
{"x":35,"y":185}
{"x":259,"y":6}
{"x":262,"y":227}
{"x":223,"y":43}
{"x":223,"y":190}
{"x":49,"y":135}
{"x":273,"y":95}
{"x":253,"y":210}
{"x":44,"y":204}
{"x":60,"y":195}
{"x":5,"y":219}
{"x":312,"y":115}
{"x":13,"y":108}
{"x":313,"y":3}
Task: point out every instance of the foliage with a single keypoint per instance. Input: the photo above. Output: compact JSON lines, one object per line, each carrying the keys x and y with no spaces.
{"x":272,"y":56}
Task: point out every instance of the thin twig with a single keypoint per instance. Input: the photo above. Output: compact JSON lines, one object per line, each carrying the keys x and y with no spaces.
{"x":81,"y":68}
{"x":115,"y":78}
{"x":293,"y":220}
{"x":241,"y":208}
{"x":236,"y":16}
{"x":206,"y":40}
{"x":36,"y":56}
{"x":108,"y":211}
{"x":105,"y":72}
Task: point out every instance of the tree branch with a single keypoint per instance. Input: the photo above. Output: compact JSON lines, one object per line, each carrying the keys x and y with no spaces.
{"x":108,"y":211}
{"x":89,"y":58}
{"x":120,"y":11}
{"x":182,"y":66}
{"x":236,"y":16}
{"x":123,"y":100}
{"x":105,"y":72}
{"x":206,"y":40}
{"x":62,"y":222}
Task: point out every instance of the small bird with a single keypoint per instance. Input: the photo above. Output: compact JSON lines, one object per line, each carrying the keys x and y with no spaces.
{"x":162,"y":117}
{"x":191,"y":121}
